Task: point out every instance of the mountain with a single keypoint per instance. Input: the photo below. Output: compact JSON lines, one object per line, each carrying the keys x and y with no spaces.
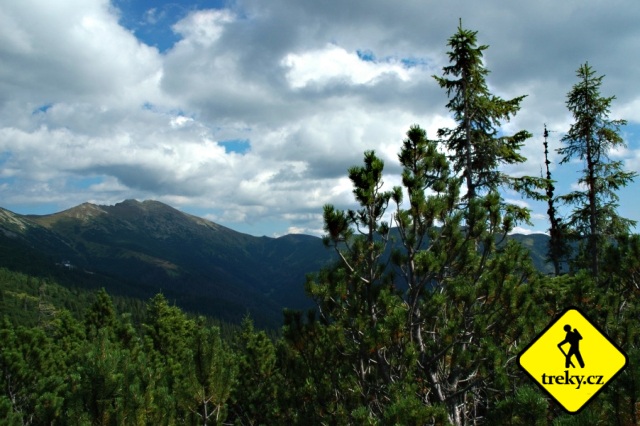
{"x":26,"y":246}
{"x":148,"y":247}
{"x":537,"y":244}
{"x":138,"y":249}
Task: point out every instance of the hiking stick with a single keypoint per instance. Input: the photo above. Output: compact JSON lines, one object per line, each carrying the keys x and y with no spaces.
{"x":565,"y":355}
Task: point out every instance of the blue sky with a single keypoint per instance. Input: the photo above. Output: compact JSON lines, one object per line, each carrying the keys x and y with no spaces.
{"x":151,"y":21}
{"x":250,"y":112}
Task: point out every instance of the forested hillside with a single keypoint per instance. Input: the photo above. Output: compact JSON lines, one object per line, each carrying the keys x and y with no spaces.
{"x":425,"y":330}
{"x":137,"y":249}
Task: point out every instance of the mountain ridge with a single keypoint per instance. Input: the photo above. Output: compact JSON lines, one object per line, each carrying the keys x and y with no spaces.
{"x":206,"y":267}
{"x":145,"y":247}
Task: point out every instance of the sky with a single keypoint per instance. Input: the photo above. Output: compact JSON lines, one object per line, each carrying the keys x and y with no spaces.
{"x":250,"y":112}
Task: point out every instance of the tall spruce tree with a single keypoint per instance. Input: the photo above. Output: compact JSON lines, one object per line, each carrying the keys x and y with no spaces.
{"x":590,"y":139}
{"x":478,"y":147}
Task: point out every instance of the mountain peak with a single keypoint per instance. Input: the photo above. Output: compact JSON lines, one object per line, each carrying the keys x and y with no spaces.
{"x":146,"y":205}
{"x":134,"y":210}
{"x":84,"y":212}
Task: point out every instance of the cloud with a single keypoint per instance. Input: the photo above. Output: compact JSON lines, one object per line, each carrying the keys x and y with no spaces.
{"x":255,"y":113}
{"x":74,"y":50}
{"x":202,"y":28}
{"x":525,"y":231}
{"x":333,"y":63}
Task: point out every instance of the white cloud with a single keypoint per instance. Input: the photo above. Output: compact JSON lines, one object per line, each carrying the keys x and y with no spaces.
{"x":628,"y":111}
{"x":180,"y":121}
{"x":525,"y":231}
{"x":335,"y":64}
{"x":202,"y":27}
{"x":517,"y":202}
{"x":74,"y":51}
{"x":88,"y":111}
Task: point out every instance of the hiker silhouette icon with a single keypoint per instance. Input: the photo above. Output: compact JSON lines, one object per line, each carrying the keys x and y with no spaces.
{"x":573,"y":339}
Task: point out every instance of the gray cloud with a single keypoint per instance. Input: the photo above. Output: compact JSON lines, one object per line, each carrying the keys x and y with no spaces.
{"x":90,"y":112}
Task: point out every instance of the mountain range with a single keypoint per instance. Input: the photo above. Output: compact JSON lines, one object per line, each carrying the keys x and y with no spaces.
{"x":138,"y":249}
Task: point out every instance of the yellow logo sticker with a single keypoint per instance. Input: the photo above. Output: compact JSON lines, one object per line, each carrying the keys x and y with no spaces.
{"x":572,"y":360}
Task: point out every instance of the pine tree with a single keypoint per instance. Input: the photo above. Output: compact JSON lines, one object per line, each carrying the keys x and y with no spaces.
{"x":101,"y":314}
{"x":424,"y":169}
{"x":432,"y":326}
{"x":313,"y":394}
{"x":168,"y":338}
{"x":255,"y":397}
{"x":590,"y":139}
{"x":32,"y":379}
{"x":355,"y":298}
{"x":456,"y":283}
{"x":210,"y":377}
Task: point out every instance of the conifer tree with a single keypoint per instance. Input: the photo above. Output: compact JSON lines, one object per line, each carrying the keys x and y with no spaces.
{"x":356,"y":299}
{"x":559,"y":248}
{"x":424,"y":169}
{"x":430,"y":327}
{"x":101,"y":314}
{"x":209,"y":380}
{"x":478,"y":146}
{"x":456,"y":282}
{"x":255,"y":397}
{"x":32,"y":382}
{"x":590,"y":139}
{"x":168,"y":338}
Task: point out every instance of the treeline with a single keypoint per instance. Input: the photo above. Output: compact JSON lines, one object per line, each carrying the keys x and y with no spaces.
{"x":427,"y":335}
